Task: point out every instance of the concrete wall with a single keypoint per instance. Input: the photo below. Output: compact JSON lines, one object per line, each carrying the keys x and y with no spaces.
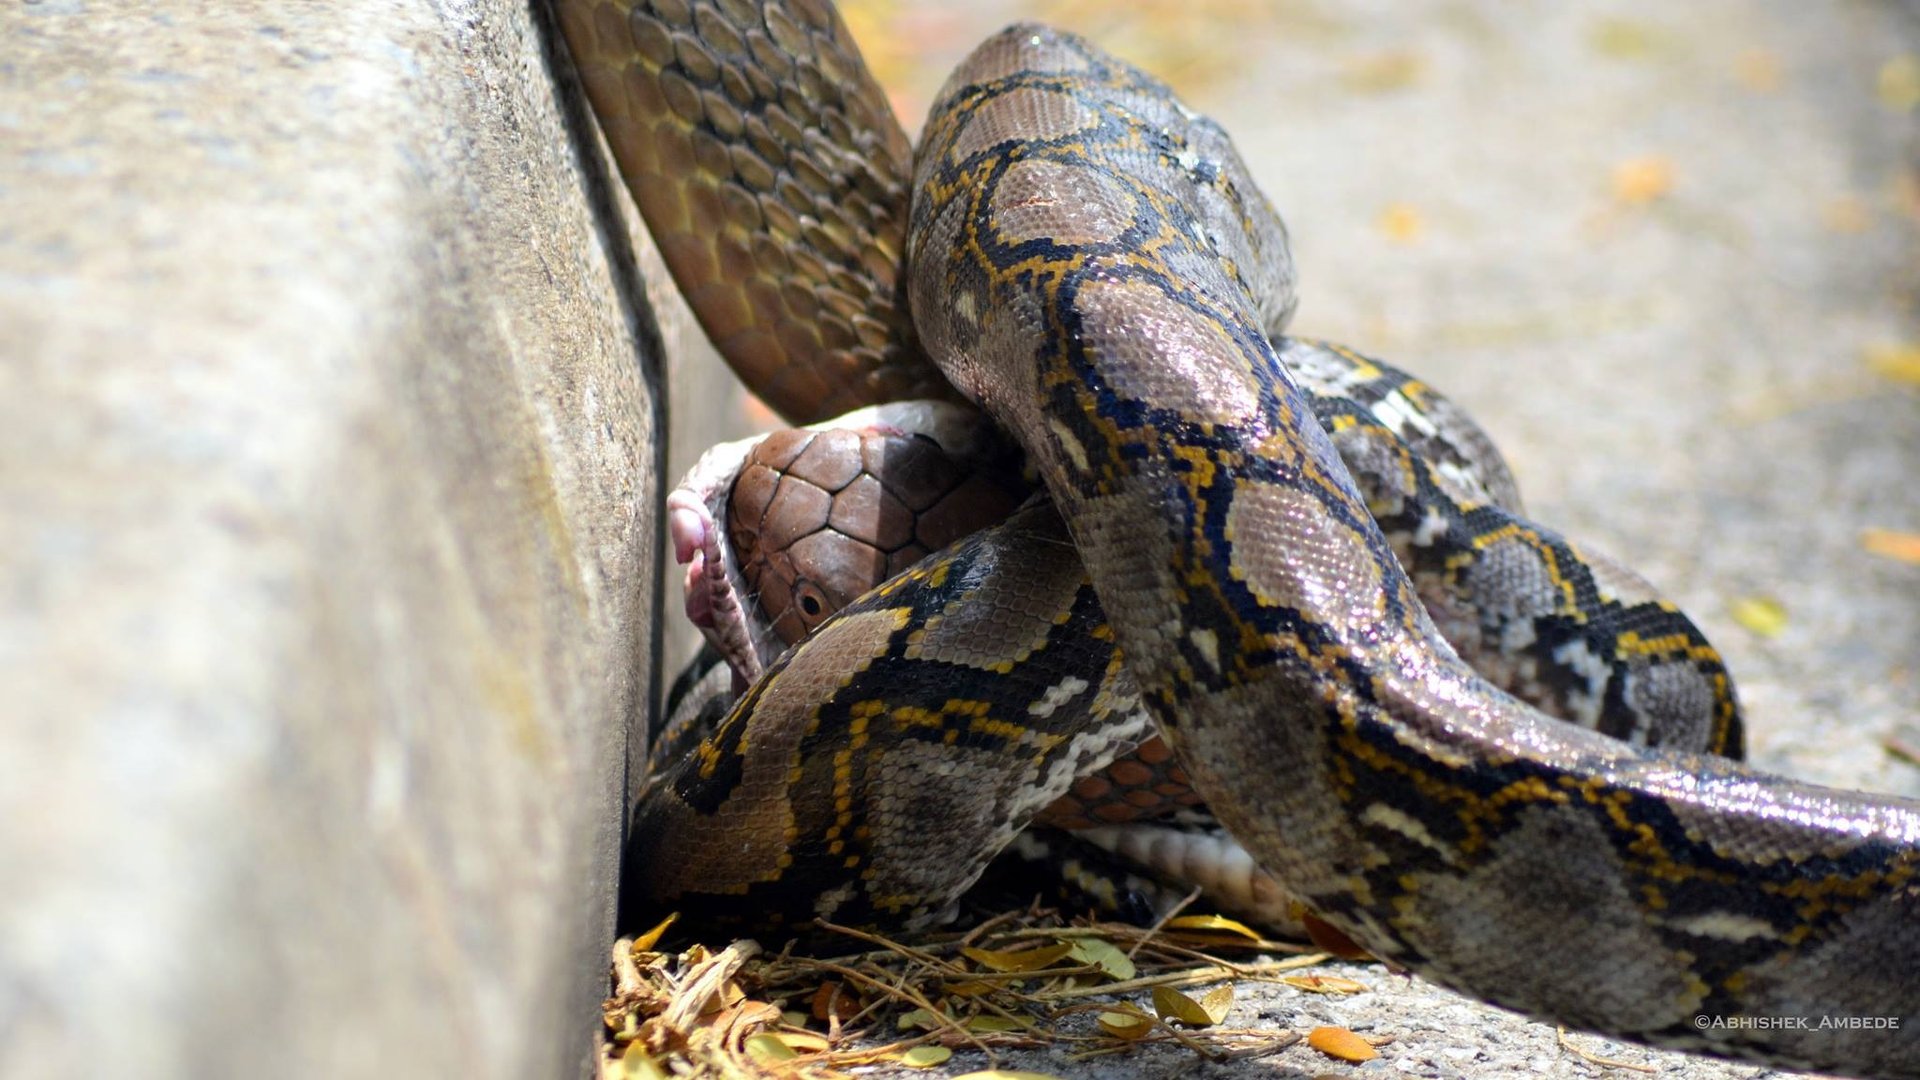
{"x":329,"y":443}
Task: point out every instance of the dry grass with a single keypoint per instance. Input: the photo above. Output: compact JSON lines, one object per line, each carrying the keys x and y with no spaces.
{"x":1019,"y":980}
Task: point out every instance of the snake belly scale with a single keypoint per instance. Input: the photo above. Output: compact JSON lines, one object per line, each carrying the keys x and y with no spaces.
{"x":1087,"y":260}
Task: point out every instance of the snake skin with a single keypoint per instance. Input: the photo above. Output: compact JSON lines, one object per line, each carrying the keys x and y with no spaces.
{"x":1087,"y":260}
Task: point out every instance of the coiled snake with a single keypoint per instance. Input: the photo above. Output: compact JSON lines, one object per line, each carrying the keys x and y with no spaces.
{"x":1087,"y":261}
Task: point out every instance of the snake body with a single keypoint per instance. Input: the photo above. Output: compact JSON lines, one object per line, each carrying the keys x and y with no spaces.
{"x":1088,"y":261}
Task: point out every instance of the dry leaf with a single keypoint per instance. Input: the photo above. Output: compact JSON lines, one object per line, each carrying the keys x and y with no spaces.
{"x":1126,"y":1024}
{"x":1213,"y":922}
{"x":1904,"y":546}
{"x":834,"y":999}
{"x":1899,"y":83}
{"x":1640,"y":181}
{"x":1324,"y":984}
{"x":1106,"y":956}
{"x":1761,"y":614}
{"x":1331,"y":939}
{"x":924,"y":1057}
{"x":805,"y":1042}
{"x":1338,"y":1042}
{"x":1898,"y":362}
{"x":766,"y":1048}
{"x":1624,"y":39}
{"x":1401,"y":222}
{"x":1024,"y":960}
{"x":921,"y":1018}
{"x":1171,"y":1004}
{"x":637,"y":1064}
{"x":1005,"y":1074}
{"x":1846,"y":214}
{"x":1758,"y":70}
{"x":1382,"y":72}
{"x":645,"y":942}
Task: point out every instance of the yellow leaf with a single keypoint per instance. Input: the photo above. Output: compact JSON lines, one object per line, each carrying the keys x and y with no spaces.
{"x":1005,"y":1074}
{"x":970,"y":988}
{"x":645,"y":942}
{"x":1761,"y":614}
{"x":1324,"y":984}
{"x":1128,"y":1024}
{"x":1382,"y":72}
{"x":1171,"y":1004}
{"x":1899,"y":83}
{"x":924,"y":1057}
{"x":1213,"y":922}
{"x":919,"y":1018}
{"x":1338,"y":1042}
{"x":988,"y":1024}
{"x":1846,"y":214}
{"x":1024,"y":960}
{"x":1758,"y":70}
{"x":1898,"y":362}
{"x":1106,"y":956}
{"x":1640,"y":181}
{"x":794,"y":1019}
{"x":637,"y":1064}
{"x":766,"y":1048}
{"x":1218,"y":1002}
{"x":1624,"y":39}
{"x":1401,"y":222}
{"x":1904,"y":546}
{"x":807,"y":1042}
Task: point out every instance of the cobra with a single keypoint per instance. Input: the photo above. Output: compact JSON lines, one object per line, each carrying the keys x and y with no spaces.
{"x":1086,"y":260}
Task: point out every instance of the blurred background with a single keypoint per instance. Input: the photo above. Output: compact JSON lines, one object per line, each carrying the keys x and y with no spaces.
{"x":1665,"y":253}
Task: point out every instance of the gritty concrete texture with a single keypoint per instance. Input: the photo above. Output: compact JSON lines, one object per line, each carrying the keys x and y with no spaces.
{"x":328,"y":440}
{"x":1653,"y":248}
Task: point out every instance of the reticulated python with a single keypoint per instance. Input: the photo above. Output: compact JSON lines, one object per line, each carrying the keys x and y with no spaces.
{"x":1087,"y":261}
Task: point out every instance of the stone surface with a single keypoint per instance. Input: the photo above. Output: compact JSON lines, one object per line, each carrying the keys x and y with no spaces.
{"x":328,"y":435}
{"x":1652,"y":248}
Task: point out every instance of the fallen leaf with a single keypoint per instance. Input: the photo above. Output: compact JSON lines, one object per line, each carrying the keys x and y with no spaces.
{"x":1642,"y":180}
{"x":1024,"y":960}
{"x":1381,"y":72}
{"x":1904,"y":546}
{"x":1331,"y":939}
{"x":1105,"y":955}
{"x":1401,"y":222}
{"x":1005,"y":1074}
{"x":1171,"y":1004}
{"x":1128,"y":1024}
{"x":920,"y":1018}
{"x":834,"y":999}
{"x":1324,"y":984}
{"x":645,"y":942}
{"x":1846,"y":214}
{"x":987,"y":1025}
{"x":805,"y":1042}
{"x":1213,"y":922}
{"x":766,"y":1048}
{"x":1625,"y":39}
{"x":1758,"y":70}
{"x":637,"y":1064}
{"x":1898,"y":362}
{"x":1761,"y":614}
{"x":924,"y":1057}
{"x":1338,"y":1042}
{"x":1899,"y":83}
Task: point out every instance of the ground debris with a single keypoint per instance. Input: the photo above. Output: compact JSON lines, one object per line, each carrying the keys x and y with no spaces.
{"x":1019,"y":980}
